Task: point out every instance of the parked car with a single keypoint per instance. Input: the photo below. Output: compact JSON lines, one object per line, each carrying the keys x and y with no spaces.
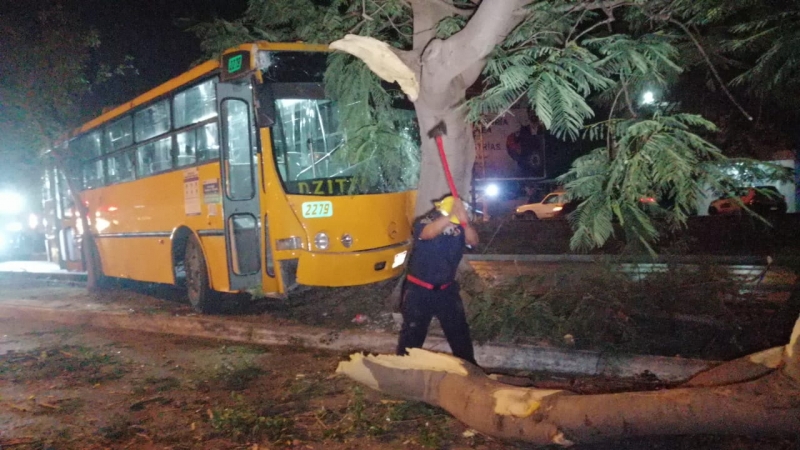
{"x":552,"y":206}
{"x":761,"y":200}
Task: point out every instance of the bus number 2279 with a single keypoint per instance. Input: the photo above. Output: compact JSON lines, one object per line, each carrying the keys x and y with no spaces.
{"x":317,"y":209}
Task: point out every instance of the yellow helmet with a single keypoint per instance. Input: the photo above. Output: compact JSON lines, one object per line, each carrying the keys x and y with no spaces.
{"x":445,"y":206}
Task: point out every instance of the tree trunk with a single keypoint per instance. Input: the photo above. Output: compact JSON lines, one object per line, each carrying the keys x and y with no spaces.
{"x":443,"y":69}
{"x":459,"y":147}
{"x":766,"y":405}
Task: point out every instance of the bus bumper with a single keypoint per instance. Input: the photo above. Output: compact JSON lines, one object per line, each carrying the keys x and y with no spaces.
{"x":351,"y":269}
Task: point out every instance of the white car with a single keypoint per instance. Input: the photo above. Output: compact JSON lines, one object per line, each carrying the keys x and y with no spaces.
{"x":551,"y":207}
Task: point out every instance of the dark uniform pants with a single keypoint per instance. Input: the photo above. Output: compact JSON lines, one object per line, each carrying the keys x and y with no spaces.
{"x":420,"y":305}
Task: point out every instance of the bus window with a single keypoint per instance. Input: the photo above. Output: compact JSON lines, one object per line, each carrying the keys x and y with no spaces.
{"x":311,"y":154}
{"x":239,"y":183}
{"x":198,"y":145}
{"x":93,"y":174}
{"x":243,"y":229}
{"x":120,"y":167}
{"x":208,"y":142}
{"x":69,"y":247}
{"x":152,"y":121}
{"x":154,"y":157}
{"x":308,"y":131}
{"x":196,"y":104}
{"x":187,"y":148}
{"x":119,"y":135}
{"x":86,"y":146}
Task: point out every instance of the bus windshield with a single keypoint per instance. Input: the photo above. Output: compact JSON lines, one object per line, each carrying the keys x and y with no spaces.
{"x":310,"y":147}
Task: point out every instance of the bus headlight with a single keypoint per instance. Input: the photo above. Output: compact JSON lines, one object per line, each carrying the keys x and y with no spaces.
{"x":321,"y":240}
{"x":14,"y":227}
{"x":290,"y":243}
{"x":11,"y":202}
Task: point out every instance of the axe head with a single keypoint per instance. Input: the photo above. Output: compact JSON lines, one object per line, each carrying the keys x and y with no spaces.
{"x":439,"y":130}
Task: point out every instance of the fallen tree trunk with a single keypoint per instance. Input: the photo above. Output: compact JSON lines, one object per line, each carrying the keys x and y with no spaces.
{"x":733,"y":404}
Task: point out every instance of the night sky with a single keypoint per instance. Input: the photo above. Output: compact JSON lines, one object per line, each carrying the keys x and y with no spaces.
{"x":147,"y":30}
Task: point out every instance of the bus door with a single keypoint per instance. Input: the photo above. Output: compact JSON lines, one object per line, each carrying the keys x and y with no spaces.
{"x":240,"y":202}
{"x":66,"y":225}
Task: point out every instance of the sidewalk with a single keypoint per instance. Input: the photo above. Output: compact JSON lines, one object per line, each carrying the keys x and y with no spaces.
{"x":30,"y":266}
{"x":264,"y":330}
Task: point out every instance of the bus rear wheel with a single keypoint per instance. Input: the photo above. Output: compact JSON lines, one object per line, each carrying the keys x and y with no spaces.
{"x":201,"y":296}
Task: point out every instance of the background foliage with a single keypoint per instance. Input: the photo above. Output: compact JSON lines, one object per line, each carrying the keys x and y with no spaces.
{"x":582,"y":70}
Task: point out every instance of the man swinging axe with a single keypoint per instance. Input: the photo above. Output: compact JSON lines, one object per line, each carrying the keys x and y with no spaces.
{"x":430,"y":289}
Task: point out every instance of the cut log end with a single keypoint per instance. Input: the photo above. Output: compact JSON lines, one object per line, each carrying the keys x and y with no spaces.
{"x":417,"y":359}
{"x":791,"y":356}
{"x":382,"y":60}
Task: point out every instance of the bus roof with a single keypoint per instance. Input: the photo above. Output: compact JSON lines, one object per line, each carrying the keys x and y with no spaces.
{"x":193,"y":74}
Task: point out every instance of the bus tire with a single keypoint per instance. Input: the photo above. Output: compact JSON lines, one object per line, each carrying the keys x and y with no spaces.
{"x":198,"y":289}
{"x":95,"y":277}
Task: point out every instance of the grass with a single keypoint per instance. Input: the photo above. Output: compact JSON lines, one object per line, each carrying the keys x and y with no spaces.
{"x":118,"y":428}
{"x":237,"y":376}
{"x":385,"y":420}
{"x":156,"y":384}
{"x":598,"y":307}
{"x":242,"y":422}
{"x":79,"y":364}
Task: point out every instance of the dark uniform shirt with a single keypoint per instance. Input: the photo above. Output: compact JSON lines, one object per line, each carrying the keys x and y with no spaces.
{"x":436,"y":260}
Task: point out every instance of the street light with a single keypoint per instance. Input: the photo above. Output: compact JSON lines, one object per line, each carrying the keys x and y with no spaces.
{"x":648,"y":98}
{"x":11,"y":203}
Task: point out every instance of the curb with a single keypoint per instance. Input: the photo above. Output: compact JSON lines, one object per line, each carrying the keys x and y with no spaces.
{"x":494,"y":356}
{"x":731,"y":260}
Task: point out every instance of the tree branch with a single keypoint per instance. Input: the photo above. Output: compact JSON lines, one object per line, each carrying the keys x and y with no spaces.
{"x":591,"y":28}
{"x":504,"y":110}
{"x":711,"y":66}
{"x":388,"y":63}
{"x":591,"y":6}
{"x":609,"y":136}
{"x":453,"y":9}
{"x":427,"y":14}
{"x":488,"y":27}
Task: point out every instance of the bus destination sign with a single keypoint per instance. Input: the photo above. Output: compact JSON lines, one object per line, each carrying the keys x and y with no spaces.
{"x":321,"y":186}
{"x":235,"y":64}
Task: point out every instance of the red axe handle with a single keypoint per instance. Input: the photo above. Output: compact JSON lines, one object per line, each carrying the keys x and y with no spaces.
{"x":436,"y":133}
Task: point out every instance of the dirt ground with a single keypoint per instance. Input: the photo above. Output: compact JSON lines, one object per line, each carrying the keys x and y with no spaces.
{"x":64,"y":388}
{"x":81,"y":388}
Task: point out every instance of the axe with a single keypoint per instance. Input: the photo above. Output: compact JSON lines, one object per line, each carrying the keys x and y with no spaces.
{"x":436,"y":133}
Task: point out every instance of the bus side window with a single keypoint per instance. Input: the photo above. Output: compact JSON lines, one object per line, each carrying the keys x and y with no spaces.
{"x":93,"y":174}
{"x":154,"y":157}
{"x":152,"y":121}
{"x":187,"y":145}
{"x":195,"y":104}
{"x":120,"y":167}
{"x":208,"y":142}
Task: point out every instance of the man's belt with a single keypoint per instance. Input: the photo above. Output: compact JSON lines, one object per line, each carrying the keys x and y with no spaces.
{"x":427,"y":285}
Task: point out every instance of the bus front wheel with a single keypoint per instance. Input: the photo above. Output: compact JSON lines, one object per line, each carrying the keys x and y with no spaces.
{"x":201,"y":296}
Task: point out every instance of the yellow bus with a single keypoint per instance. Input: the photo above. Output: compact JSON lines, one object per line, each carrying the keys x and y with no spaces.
{"x":228,"y":178}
